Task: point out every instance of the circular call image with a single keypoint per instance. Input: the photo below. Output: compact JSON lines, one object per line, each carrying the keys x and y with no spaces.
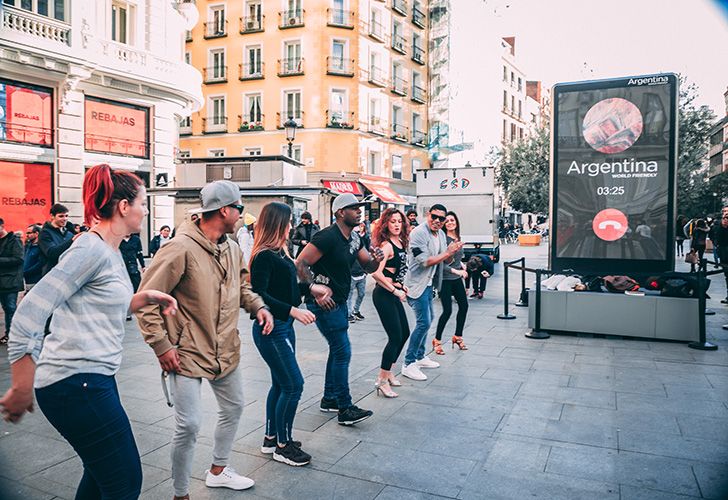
{"x":610,"y":224}
{"x":612,"y":125}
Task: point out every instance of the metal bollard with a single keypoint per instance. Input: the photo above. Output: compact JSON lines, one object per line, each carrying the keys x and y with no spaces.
{"x":506,"y":314}
{"x":536,"y":333}
{"x":523,"y":299}
{"x":702,"y":344}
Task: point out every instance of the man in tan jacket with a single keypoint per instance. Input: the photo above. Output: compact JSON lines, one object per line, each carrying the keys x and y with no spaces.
{"x":203,"y":269}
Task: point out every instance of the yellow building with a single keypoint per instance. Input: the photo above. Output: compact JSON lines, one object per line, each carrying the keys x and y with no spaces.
{"x":352,"y":74}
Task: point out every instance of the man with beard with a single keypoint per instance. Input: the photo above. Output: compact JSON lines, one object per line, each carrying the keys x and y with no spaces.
{"x":304,"y":232}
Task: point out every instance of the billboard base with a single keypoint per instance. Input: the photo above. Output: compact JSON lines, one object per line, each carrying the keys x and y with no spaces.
{"x":704,"y":346}
{"x":533,"y":334}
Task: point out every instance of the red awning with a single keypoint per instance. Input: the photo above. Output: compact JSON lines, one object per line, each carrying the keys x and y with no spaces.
{"x":381,"y":190}
{"x":342,"y":187}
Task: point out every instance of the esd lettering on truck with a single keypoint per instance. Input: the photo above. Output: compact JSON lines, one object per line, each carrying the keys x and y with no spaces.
{"x":454,"y":183}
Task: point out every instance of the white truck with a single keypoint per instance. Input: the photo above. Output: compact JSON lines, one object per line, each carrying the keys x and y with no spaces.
{"x":469,"y":192}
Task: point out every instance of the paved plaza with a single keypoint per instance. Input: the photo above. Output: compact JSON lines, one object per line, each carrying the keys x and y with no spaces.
{"x":569,"y":417}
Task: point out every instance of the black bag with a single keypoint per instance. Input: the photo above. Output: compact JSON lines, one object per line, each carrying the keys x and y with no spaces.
{"x":681,"y":285}
{"x":594,"y":283}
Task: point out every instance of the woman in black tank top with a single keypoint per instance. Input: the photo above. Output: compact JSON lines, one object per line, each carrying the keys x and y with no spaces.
{"x":389,"y":293}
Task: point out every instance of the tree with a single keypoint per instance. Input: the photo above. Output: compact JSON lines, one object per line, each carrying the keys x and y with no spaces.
{"x":523,"y":172}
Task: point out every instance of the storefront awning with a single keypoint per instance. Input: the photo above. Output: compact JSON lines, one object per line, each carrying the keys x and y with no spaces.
{"x":381,"y":190}
{"x":342,"y":187}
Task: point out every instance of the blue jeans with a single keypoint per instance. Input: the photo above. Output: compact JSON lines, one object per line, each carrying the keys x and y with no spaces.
{"x":424,"y":315}
{"x":334,"y":326}
{"x":86,"y":410}
{"x":278,"y":350}
{"x":360,"y":288}
{"x":9,"y":303}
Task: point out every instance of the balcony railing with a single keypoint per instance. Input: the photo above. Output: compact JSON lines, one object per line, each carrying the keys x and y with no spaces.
{"x":185,"y":127}
{"x":252,"y":24}
{"x":282,"y":118}
{"x":339,"y":18}
{"x":340,"y":119}
{"x":214,"y":125}
{"x":216,"y":29}
{"x":27,"y":134}
{"x":400,"y":6}
{"x":376,"y":31}
{"x":38,"y":26}
{"x":290,"y":19}
{"x":290,"y":67}
{"x":418,"y":55}
{"x":375,"y":126}
{"x":339,"y":66}
{"x":418,"y":17}
{"x":399,"y":86}
{"x":251,"y":71}
{"x":419,"y":138}
{"x":215,"y":74}
{"x":376,"y":77}
{"x":114,"y":145}
{"x":419,"y":94}
{"x":400,"y":133}
{"x":251,"y":123}
{"x":399,"y":43}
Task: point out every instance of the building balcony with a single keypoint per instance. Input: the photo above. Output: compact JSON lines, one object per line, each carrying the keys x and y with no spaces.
{"x":399,"y":133}
{"x":290,"y":67}
{"x":400,"y":7}
{"x":214,"y":125}
{"x":399,"y":86}
{"x":419,"y":138}
{"x":418,"y":17}
{"x":251,"y":71}
{"x":185,"y":126}
{"x":188,"y":35}
{"x":42,"y":27}
{"x":376,"y":126}
{"x":338,"y":18}
{"x":419,"y":94}
{"x":290,"y":19}
{"x":376,"y":31}
{"x":339,"y":67}
{"x":215,"y":74}
{"x":399,"y":43}
{"x":252,"y":25}
{"x":251,"y":123}
{"x":376,"y":77}
{"x":340,"y":119}
{"x":418,"y":55}
{"x":282,"y":118}
{"x":216,"y":29}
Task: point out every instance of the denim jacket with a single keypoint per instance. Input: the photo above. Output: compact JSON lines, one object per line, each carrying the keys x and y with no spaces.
{"x":423,"y":245}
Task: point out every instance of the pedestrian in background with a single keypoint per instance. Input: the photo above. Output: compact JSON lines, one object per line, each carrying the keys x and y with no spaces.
{"x":304,"y":232}
{"x":714,"y":225}
{"x":33,"y":258}
{"x":131,"y":251}
{"x":160,"y":240}
{"x":721,"y":241}
{"x":698,"y":243}
{"x":55,"y":237}
{"x":412,"y":218}
{"x":358,"y":280}
{"x":245,"y":237}
{"x":680,"y":235}
{"x":73,"y":369}
{"x":480,"y":267}
{"x":11,"y":275}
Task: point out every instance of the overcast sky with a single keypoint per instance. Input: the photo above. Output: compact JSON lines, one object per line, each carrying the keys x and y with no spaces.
{"x":570,"y":40}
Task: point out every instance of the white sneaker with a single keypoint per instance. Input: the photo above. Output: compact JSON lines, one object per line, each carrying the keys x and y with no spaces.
{"x":427,"y":363}
{"x":412,"y":371}
{"x":228,"y":478}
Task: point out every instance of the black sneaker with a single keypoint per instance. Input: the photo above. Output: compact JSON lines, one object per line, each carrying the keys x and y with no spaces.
{"x":358,"y":316}
{"x":353,"y":415}
{"x":329,"y":405}
{"x":292,"y":455}
{"x":269,"y":445}
{"x":351,"y":318}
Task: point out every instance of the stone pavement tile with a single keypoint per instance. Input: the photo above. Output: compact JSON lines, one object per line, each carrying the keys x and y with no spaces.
{"x":431,"y":417}
{"x":459,"y":442}
{"x":707,"y":450}
{"x":607,"y":382}
{"x":640,"y":402}
{"x":679,"y":353}
{"x":15,"y":490}
{"x":537,"y":408}
{"x":149,"y":438}
{"x":639,"y":376}
{"x":501,"y":388}
{"x":565,"y":431}
{"x":712,"y":480}
{"x":520,"y":456}
{"x":636,"y":469}
{"x":628,"y":492}
{"x":575,"y":348}
{"x":504,"y":485}
{"x":309,"y":422}
{"x":718,"y":381}
{"x":249,"y":422}
{"x":145,"y":412}
{"x":707,"y":369}
{"x":546,"y":378}
{"x":394,"y":493}
{"x":685,"y":392}
{"x":198,"y":490}
{"x":572,"y":395}
{"x":694,"y":426}
{"x":32,"y":424}
{"x":621,"y":419}
{"x":614,"y":361}
{"x":487,"y":362}
{"x":241,"y":462}
{"x":403,"y":434}
{"x":406,"y":468}
{"x":279,"y":481}
{"x":142,"y":388}
{"x":572,"y":368}
{"x":23,"y":454}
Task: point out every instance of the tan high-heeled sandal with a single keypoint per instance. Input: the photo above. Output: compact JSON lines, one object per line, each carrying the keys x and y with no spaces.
{"x":383,"y":387}
{"x":437,"y":347}
{"x":458,"y":341}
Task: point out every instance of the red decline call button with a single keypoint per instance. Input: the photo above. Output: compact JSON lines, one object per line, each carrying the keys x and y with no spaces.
{"x":610,"y":224}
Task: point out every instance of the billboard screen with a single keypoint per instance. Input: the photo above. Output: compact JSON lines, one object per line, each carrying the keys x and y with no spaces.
{"x":26,"y":114}
{"x":25,"y":194}
{"x":118,"y":128}
{"x":613,"y":175}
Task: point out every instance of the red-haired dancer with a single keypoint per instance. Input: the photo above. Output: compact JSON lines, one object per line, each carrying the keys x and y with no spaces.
{"x":89,"y":295}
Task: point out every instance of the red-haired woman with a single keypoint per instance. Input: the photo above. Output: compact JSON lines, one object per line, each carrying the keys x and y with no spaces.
{"x":89,"y":294}
{"x":391,"y":235}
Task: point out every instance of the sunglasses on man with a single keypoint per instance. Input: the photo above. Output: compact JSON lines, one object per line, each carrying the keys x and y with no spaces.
{"x":440,"y":218}
{"x":239,"y":208}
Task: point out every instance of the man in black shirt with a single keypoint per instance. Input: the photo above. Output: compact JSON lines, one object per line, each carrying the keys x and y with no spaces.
{"x":720,"y":240}
{"x":304,"y":232}
{"x":327,"y":260}
{"x":131,"y":252}
{"x":55,"y":237}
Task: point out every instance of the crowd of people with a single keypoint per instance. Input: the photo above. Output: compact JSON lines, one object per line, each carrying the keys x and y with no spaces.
{"x":65,"y":339}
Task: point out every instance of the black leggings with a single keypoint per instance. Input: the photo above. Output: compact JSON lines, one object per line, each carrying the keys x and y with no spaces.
{"x":449,"y":289}
{"x":702,"y":264}
{"x":391,"y":313}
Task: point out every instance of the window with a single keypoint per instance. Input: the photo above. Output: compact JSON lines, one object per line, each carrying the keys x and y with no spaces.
{"x":513,"y":104}
{"x":217,"y":64}
{"x":520,"y":132}
{"x":297,"y":152}
{"x":185,"y":123}
{"x":188,"y":57}
{"x":374,"y":160}
{"x":374,"y":114}
{"x":513,"y":78}
{"x":416,"y":165}
{"x":121,"y":22}
{"x":375,"y":68}
{"x":253,"y":108}
{"x":253,"y":152}
{"x":339,"y":105}
{"x":49,"y":8}
{"x":216,"y":152}
{"x":520,"y":84}
{"x":292,"y":57}
{"x":396,"y":116}
{"x":292,"y":106}
{"x":505,"y":74}
{"x":253,"y":60}
{"x":184,"y":153}
{"x":217,"y":110}
{"x":417,"y":134}
{"x":398,"y":39}
{"x":513,"y":132}
{"x":505,"y":99}
{"x":339,"y":12}
{"x":416,"y":80}
{"x":255,"y":13}
{"x":520,"y":108}
{"x":505,"y":130}
{"x":217,"y":20}
{"x":396,"y":167}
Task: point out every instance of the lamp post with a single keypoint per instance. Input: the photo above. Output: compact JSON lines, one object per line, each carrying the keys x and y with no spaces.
{"x":715,"y":202}
{"x":290,"y":127}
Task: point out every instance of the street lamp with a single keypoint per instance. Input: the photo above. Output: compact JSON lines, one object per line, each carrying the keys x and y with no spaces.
{"x":715,"y":202}
{"x":290,"y":127}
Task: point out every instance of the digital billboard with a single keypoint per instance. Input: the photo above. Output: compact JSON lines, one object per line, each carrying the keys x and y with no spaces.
{"x":117,"y":128}
{"x":25,"y":194}
{"x":26,"y":113}
{"x":613,"y":175}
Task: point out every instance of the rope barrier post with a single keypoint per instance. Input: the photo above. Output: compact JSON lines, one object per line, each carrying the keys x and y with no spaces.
{"x":523,"y":299}
{"x":536,"y":333}
{"x":702,"y":344}
{"x":506,"y":314}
